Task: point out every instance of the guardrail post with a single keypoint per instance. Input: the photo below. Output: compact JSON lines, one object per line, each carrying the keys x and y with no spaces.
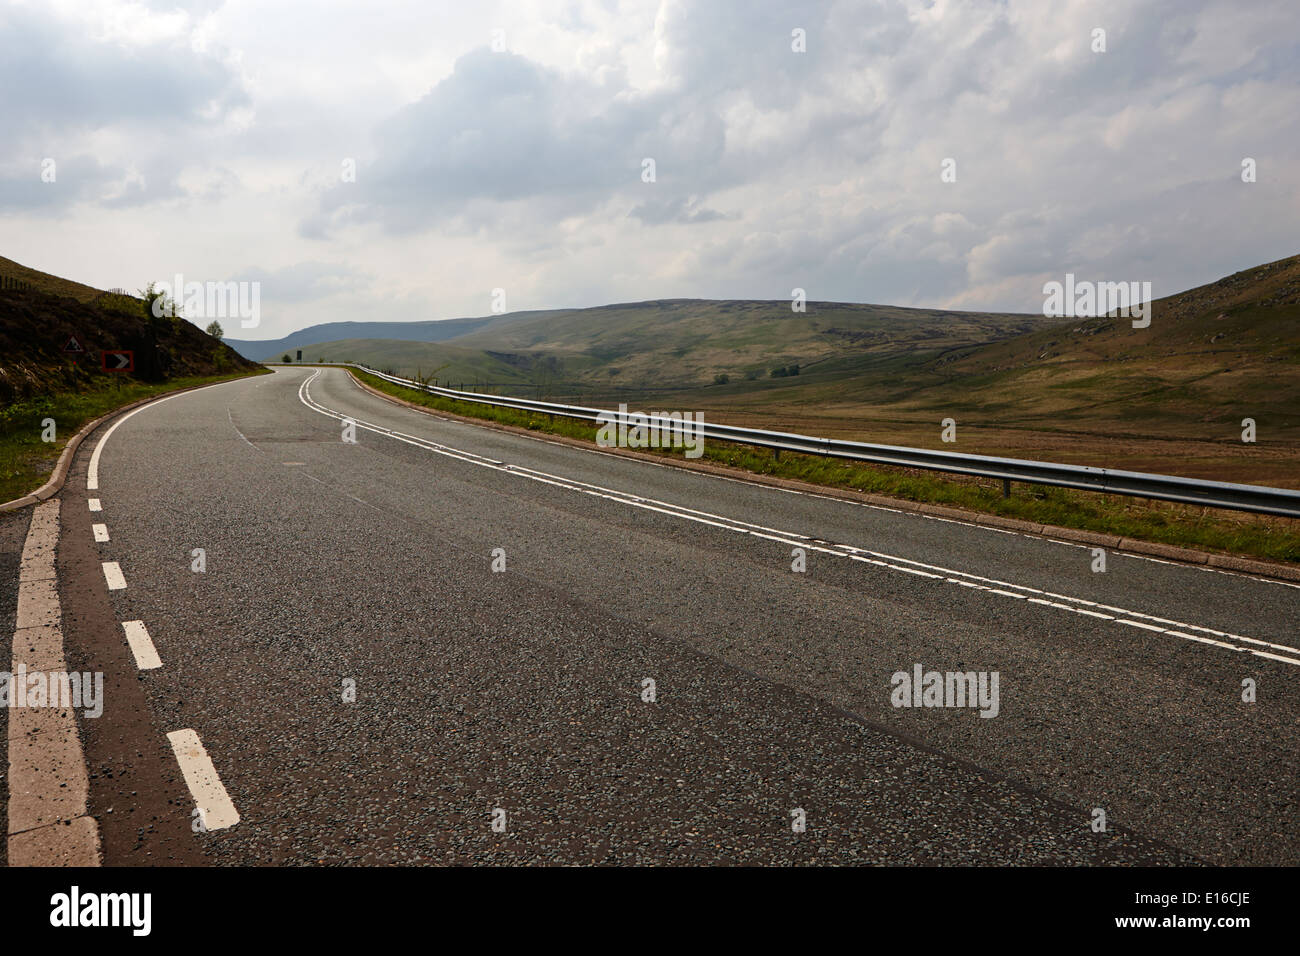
{"x":1006,"y":487}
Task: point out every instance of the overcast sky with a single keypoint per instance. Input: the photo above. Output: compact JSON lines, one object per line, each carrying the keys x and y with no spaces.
{"x":211,"y":139}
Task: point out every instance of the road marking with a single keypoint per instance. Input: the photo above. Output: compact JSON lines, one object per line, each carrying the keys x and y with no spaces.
{"x":94,"y":504}
{"x":1042,"y":536}
{"x":92,"y":473}
{"x":146,"y":657}
{"x":1145,"y":627}
{"x":113,"y":575}
{"x":242,"y":436}
{"x":48,"y":785}
{"x":1091,"y":609}
{"x":101,"y":532}
{"x":215,"y":807}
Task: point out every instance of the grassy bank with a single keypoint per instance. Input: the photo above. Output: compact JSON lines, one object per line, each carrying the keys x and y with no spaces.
{"x":26,"y":460}
{"x":1274,"y":539}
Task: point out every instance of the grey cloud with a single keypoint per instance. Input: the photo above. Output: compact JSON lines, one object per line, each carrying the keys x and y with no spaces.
{"x":818,"y":169}
{"x":683,"y":210}
{"x":504,"y":129}
{"x":76,"y":179}
{"x":57,"y":79}
{"x":61,"y":85}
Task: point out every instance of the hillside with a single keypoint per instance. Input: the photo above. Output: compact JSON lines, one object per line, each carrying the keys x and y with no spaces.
{"x":446,"y":362}
{"x":687,"y":343}
{"x":14,"y":275}
{"x":1212,"y":355}
{"x":36,"y":325}
{"x":683,"y":341}
{"x":1092,"y":391}
{"x":435,"y":331}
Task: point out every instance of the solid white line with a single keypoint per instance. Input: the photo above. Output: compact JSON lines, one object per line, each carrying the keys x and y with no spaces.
{"x":94,"y":504}
{"x":113,"y":575}
{"x":892,"y":562}
{"x":215,"y":807}
{"x":1145,"y":627}
{"x":100,"y":531}
{"x":146,"y":657}
{"x":92,"y":474}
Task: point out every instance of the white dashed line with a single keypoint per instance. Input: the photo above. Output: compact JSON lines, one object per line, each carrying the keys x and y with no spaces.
{"x":146,"y":657}
{"x":215,"y":807}
{"x":113,"y":575}
{"x":101,"y":532}
{"x":94,"y":504}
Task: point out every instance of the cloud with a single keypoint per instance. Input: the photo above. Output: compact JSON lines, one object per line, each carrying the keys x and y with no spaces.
{"x":686,"y":210}
{"x":136,"y":98}
{"x":504,"y":129}
{"x":307,"y":281}
{"x":522,"y":169}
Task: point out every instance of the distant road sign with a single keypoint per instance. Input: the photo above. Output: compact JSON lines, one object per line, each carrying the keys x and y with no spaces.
{"x":73,"y":345}
{"x":119,"y":361}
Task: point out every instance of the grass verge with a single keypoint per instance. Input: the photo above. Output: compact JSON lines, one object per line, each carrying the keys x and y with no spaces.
{"x":27,"y":460}
{"x":1185,"y":526}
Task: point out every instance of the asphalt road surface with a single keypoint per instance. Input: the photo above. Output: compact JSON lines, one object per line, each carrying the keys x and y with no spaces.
{"x":500,"y":716}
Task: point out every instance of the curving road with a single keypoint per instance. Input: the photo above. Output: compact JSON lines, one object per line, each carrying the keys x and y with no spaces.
{"x":333,"y":565}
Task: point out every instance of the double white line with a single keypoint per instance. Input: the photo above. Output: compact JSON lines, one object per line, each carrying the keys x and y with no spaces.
{"x":1190,"y":632}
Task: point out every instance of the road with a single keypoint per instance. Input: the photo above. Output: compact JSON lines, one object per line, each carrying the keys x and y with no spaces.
{"x":516,"y":696}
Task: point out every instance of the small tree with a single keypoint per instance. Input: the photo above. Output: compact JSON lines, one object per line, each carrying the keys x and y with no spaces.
{"x":285,"y":359}
{"x":215,"y":330}
{"x":166,"y":306}
{"x":159,"y":308}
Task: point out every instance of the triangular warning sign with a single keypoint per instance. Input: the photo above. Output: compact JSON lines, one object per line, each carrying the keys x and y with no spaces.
{"x":73,"y":345}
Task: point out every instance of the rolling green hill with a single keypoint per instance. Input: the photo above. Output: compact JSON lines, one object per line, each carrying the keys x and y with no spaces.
{"x":449,"y":364}
{"x":1094,"y":391}
{"x":685,"y":343}
{"x":1212,"y":355}
{"x":1169,"y":398}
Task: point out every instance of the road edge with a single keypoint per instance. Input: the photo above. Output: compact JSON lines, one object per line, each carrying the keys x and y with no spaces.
{"x":1167,"y":552}
{"x":47,"y":763}
{"x":60,"y":474}
{"x":48,"y":818}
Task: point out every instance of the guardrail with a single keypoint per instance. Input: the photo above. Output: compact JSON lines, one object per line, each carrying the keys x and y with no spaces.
{"x":1259,"y":499}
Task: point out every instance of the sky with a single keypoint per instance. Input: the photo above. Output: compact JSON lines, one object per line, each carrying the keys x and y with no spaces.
{"x":405,"y":160}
